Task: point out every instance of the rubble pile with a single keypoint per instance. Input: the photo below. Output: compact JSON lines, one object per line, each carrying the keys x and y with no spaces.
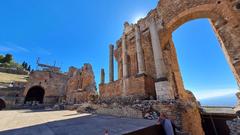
{"x":234,"y":126}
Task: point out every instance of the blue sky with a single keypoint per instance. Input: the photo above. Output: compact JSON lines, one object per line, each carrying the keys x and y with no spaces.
{"x":79,"y":31}
{"x":204,"y":68}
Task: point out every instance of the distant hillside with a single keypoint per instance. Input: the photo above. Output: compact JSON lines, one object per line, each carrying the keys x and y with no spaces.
{"x":8,"y":78}
{"x":228,"y":100}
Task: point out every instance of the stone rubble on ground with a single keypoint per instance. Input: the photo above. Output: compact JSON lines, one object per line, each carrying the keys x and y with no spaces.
{"x":234,"y":126}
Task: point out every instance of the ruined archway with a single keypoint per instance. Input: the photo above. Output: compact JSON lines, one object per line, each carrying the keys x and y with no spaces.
{"x":221,"y":20}
{"x":203,"y":65}
{"x":2,"y":104}
{"x":225,"y":23}
{"x":35,"y":93}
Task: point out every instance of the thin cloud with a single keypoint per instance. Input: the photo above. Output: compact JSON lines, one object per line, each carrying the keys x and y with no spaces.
{"x":22,"y":49}
{"x":5,"y":49}
{"x":214,"y":93}
{"x":12,"y":47}
{"x":43,"y":51}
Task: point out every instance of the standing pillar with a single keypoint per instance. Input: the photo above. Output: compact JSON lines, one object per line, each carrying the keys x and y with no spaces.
{"x":157,"y":51}
{"x":124,"y":57}
{"x":102,"y":76}
{"x":164,"y":90}
{"x":140,"y":57}
{"x":111,"y":70}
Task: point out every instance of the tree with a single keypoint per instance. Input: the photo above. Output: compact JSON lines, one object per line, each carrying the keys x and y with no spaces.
{"x":23,"y":64}
{"x":26,"y":66}
{"x":1,"y":58}
{"x":8,"y":58}
{"x":29,"y":68}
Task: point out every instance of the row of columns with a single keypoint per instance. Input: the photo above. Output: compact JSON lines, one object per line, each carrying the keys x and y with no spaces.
{"x":157,"y":53}
{"x":111,"y":66}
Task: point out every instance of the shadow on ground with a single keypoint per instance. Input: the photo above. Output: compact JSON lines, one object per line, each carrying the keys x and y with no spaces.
{"x":84,"y":125}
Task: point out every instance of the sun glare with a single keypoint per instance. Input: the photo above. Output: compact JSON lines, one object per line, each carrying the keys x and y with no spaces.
{"x":137,"y":17}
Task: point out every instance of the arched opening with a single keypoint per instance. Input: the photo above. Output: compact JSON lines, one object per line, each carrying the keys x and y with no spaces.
{"x":36,"y":94}
{"x":2,"y":104}
{"x":220,"y":43}
{"x":206,"y":68}
{"x":203,"y":66}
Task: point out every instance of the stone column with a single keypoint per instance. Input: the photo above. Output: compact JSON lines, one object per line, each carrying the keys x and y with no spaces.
{"x":139,"y":50}
{"x":124,"y":57}
{"x":164,"y":90}
{"x":111,"y":70}
{"x":157,"y":51}
{"x":102,"y":76}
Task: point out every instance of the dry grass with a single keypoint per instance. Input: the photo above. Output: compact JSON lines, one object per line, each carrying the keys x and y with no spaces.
{"x":7,"y":78}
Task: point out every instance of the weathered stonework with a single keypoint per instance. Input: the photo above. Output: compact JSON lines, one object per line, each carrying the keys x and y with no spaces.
{"x":234,"y":126}
{"x":136,"y":86}
{"x":77,"y":85}
{"x":52,"y":83}
{"x":154,"y":34}
{"x":11,"y":95}
{"x":81,"y":85}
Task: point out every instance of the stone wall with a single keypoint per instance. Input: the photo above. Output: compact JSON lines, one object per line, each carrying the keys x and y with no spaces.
{"x":140,"y":85}
{"x":77,"y":85}
{"x":11,"y":95}
{"x":81,"y":85}
{"x":234,"y":126}
{"x":14,"y":71}
{"x":136,"y":107}
{"x":54,"y":84}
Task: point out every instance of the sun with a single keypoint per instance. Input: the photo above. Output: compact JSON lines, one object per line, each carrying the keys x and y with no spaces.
{"x":137,"y":17}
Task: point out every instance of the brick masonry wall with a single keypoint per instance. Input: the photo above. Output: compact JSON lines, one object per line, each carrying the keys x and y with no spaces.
{"x":135,"y":85}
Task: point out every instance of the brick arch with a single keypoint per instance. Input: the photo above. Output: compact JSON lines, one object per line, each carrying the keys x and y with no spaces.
{"x":204,"y":11}
{"x":35,"y":93}
{"x":225,"y":22}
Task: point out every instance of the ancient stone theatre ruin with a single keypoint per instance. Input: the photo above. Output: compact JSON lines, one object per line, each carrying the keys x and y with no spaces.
{"x":149,"y":79}
{"x":147,"y":60}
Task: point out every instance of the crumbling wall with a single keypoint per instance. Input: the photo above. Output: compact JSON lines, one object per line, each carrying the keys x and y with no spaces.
{"x":54,"y":85}
{"x":141,"y":85}
{"x":81,"y":84}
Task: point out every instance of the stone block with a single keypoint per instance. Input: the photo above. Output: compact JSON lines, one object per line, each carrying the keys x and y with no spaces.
{"x":164,"y":90}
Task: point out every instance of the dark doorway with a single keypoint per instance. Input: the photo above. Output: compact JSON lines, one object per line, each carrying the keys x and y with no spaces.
{"x":2,"y":104}
{"x":35,"y":93}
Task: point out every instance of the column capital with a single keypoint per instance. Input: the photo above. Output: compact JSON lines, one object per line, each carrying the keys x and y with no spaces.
{"x":136,"y":27}
{"x":151,"y":21}
{"x":155,"y":22}
{"x":111,"y":46}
